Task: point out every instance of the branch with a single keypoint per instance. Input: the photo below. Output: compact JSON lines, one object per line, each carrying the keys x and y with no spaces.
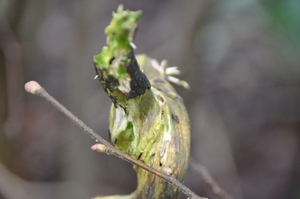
{"x":34,"y":88}
{"x":215,"y":188}
{"x":148,"y":120}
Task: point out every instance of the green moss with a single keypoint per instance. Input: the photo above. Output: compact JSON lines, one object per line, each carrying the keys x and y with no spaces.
{"x":120,"y":30}
{"x":102,"y":59}
{"x":125,"y":138}
{"x":122,"y":71}
{"x":114,"y":58}
{"x":119,"y":36}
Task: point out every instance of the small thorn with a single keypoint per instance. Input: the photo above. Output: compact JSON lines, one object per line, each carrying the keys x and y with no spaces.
{"x":173,"y":80}
{"x":172,"y":71}
{"x":164,"y":64}
{"x":178,"y":82}
{"x":32,"y":87}
{"x":133,"y":45}
{"x":185,"y":85}
{"x":157,"y":67}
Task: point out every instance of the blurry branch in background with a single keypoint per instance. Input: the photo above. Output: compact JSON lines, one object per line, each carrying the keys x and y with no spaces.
{"x":34,"y":88}
{"x":14,"y":76}
{"x":207,"y":178}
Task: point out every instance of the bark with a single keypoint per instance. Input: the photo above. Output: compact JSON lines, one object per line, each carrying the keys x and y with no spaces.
{"x":148,"y":119}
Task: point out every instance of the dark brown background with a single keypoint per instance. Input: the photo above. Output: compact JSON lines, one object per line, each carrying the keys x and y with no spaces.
{"x":241,"y":59}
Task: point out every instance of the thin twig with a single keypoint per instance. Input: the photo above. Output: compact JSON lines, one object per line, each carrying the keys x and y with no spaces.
{"x":34,"y":88}
{"x":215,"y":188}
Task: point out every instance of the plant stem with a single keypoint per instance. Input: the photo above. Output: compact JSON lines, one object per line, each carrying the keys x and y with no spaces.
{"x":34,"y":88}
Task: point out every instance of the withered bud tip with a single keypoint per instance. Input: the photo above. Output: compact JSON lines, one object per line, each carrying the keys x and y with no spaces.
{"x":167,"y":170}
{"x":32,"y":87}
{"x":99,"y":147}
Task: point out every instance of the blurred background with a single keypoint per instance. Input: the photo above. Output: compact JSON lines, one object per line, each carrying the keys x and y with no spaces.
{"x":241,"y":58}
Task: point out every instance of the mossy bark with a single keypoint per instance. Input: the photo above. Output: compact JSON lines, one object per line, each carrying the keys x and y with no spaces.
{"x":148,"y":119}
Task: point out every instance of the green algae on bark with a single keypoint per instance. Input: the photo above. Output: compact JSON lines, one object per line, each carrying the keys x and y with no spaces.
{"x":148,"y":119}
